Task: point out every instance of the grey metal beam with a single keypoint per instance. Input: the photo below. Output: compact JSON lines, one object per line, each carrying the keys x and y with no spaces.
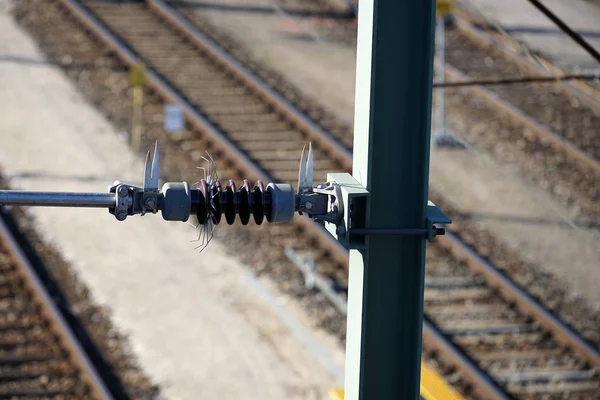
{"x":391,"y":159}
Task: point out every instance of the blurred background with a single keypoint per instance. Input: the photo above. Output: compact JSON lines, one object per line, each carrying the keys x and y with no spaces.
{"x":512,"y":306}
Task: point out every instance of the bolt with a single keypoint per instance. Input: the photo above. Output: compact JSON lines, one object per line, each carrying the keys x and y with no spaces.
{"x":150,"y":203}
{"x":123,"y":191}
{"x":320,"y":186}
{"x":440,"y":231}
{"x":121,"y":215}
{"x":308,"y":205}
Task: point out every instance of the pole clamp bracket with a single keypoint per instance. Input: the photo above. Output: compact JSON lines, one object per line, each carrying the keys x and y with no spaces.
{"x":342,"y":201}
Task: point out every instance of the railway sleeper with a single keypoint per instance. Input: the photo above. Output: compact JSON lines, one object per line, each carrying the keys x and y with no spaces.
{"x":532,"y":356}
{"x":545,"y":375}
{"x":511,"y":329}
{"x":453,"y":282}
{"x":508,"y":341}
{"x":454,"y":295}
{"x":587,"y":389}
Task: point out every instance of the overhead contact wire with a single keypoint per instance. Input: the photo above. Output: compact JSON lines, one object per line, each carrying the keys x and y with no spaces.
{"x":512,"y":81}
{"x":567,"y":29}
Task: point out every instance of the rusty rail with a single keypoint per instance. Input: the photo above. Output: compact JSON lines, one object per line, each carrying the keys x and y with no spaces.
{"x":583,"y":91}
{"x":434,"y":340}
{"x":521,"y":118}
{"x":317,"y":134}
{"x":58,"y":323}
{"x":522,"y":300}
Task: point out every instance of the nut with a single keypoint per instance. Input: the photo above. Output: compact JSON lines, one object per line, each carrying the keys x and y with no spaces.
{"x":121,"y":215}
{"x":150,"y":203}
{"x":123,"y":191}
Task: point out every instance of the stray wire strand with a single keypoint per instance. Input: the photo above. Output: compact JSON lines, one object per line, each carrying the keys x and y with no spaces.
{"x":207,"y":229}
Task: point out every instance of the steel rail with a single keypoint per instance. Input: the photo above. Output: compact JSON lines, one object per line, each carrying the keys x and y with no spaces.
{"x":238,"y":158}
{"x":57,"y":321}
{"x":521,"y":118}
{"x":580,"y":90}
{"x":522,"y":300}
{"x":275,"y":100}
{"x":435,"y":340}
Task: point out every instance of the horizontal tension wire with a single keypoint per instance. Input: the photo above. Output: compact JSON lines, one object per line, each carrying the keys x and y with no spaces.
{"x":511,"y":81}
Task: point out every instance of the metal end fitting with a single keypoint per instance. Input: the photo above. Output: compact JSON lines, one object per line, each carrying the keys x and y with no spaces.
{"x":176,"y":201}
{"x":283,"y":202}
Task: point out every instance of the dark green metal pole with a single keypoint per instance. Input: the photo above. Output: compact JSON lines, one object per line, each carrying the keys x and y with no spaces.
{"x":391,"y":158}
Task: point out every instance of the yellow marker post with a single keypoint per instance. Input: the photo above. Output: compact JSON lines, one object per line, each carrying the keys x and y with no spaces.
{"x":443,"y":7}
{"x":137,"y":79}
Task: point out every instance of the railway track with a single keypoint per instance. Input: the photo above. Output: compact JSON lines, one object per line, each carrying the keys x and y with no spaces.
{"x":510,"y":338}
{"x":544,"y":122}
{"x":258,"y":133}
{"x":571,"y":122}
{"x":40,"y":356}
{"x":547,"y":127}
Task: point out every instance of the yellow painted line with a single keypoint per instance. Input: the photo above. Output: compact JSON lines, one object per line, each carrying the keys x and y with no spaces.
{"x":433,"y":387}
{"x":336,"y":394}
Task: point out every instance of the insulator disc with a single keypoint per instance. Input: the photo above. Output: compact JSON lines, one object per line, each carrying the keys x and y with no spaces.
{"x":244,"y":203}
{"x":258,"y":208}
{"x":230,"y":202}
{"x":202,"y":207}
{"x":217,"y":202}
{"x":205,"y":190}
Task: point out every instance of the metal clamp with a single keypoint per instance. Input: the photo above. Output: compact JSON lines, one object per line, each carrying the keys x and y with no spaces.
{"x":121,"y":202}
{"x":341,"y":201}
{"x":434,"y":216}
{"x":132,"y":200}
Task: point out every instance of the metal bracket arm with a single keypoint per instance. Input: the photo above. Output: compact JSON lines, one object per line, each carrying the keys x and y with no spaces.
{"x":341,"y":202}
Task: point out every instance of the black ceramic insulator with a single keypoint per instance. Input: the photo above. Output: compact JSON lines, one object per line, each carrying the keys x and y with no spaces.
{"x":214,"y":200}
{"x":244,"y":202}
{"x":258,"y":200}
{"x":230,"y":203}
